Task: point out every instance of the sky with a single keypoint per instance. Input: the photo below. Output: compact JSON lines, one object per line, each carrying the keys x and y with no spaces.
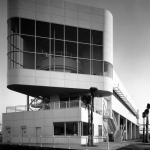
{"x":131,"y":47}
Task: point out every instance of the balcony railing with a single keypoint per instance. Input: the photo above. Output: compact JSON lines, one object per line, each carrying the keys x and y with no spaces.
{"x":52,"y":105}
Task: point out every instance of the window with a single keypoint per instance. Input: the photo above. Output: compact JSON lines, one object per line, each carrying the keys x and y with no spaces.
{"x":84,"y":51}
{"x":71,"y":33}
{"x":71,"y":49}
{"x":27,"y":26}
{"x":59,"y":128}
{"x":27,"y":43}
{"x":57,"y":31}
{"x":97,"y":52}
{"x":97,"y":68}
{"x":42,"y":45}
{"x":99,"y":130}
{"x":84,"y":35}
{"x":84,"y":66}
{"x":42,"y":29}
{"x":13,"y":25}
{"x":71,"y":128}
{"x":97,"y":37}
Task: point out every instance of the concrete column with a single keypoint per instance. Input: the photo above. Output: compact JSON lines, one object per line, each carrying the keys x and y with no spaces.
{"x":126,"y":129}
{"x":135,"y":131}
{"x":130,"y":130}
{"x":118,"y":119}
{"x":79,"y":128}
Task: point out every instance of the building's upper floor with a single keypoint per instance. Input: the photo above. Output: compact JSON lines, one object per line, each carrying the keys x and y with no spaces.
{"x":59,"y":44}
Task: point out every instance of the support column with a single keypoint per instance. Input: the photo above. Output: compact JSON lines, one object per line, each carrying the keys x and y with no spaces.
{"x":118,"y":119}
{"x":27,"y":102}
{"x":135,"y":131}
{"x":130,"y":130}
{"x":126,"y":129}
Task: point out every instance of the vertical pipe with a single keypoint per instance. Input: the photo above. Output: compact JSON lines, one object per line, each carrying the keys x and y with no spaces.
{"x":27,"y":102}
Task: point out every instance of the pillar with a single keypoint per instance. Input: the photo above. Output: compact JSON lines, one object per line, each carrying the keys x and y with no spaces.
{"x":130,"y":130}
{"x":27,"y":102}
{"x":126,"y":129}
{"x":135,"y":131}
{"x":118,"y":119}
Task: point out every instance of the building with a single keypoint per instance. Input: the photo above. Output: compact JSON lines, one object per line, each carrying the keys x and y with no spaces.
{"x":57,"y":50}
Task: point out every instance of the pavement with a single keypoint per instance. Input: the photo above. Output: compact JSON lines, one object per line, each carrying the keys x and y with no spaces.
{"x":127,"y":145}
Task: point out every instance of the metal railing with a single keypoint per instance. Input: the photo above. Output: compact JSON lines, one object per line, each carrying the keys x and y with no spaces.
{"x":56,"y":141}
{"x":52,"y":105}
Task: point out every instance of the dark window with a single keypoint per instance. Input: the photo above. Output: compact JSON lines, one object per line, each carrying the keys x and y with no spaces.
{"x":57,"y":47}
{"x":84,"y":35}
{"x":71,"y":49}
{"x":71,"y":128}
{"x":63,"y":97}
{"x":97,"y":52}
{"x":85,"y":128}
{"x":27,"y":27}
{"x":14,"y":23}
{"x":97,"y":37}
{"x":57,"y":31}
{"x":97,"y":68}
{"x":59,"y":128}
{"x":42,"y":45}
{"x":42,"y":29}
{"x":27,"y":43}
{"x":83,"y":66}
{"x":42,"y":62}
{"x":84,"y":51}
{"x":99,"y":130}
{"x":27,"y":60}
{"x":71,"y":33}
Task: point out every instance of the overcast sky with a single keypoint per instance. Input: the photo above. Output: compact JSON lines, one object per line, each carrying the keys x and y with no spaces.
{"x":131,"y":26}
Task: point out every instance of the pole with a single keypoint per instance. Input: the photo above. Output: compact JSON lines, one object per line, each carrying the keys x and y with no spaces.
{"x":92,"y":103}
{"x":27,"y":102}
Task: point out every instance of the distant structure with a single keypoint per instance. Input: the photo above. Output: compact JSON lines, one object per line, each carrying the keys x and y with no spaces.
{"x":57,"y":50}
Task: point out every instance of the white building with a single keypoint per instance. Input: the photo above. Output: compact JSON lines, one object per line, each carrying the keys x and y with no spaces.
{"x":57,"y":50}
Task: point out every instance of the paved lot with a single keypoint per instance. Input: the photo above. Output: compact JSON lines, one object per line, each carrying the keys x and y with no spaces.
{"x":135,"y":145}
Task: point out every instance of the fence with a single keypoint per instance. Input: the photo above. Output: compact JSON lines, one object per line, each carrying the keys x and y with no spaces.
{"x":56,"y":141}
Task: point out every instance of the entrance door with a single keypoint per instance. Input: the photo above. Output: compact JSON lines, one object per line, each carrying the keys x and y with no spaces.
{"x":23,"y":134}
{"x":8,"y":134}
{"x":38,"y":134}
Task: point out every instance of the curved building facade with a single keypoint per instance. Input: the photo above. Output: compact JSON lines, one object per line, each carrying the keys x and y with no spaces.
{"x":57,"y":45}
{"x":57,"y":51}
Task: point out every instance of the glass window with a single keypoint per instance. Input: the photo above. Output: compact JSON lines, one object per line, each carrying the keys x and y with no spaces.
{"x":63,"y":97}
{"x":97,"y":68}
{"x":84,"y":51}
{"x":14,"y":22}
{"x":27,"y":43}
{"x":14,"y":42}
{"x":71,"y":128}
{"x":83,"y":66}
{"x":85,"y":128}
{"x":83,"y":35}
{"x":99,"y":130}
{"x":13,"y":59}
{"x":57,"y":47}
{"x":57,"y":31}
{"x":42,"y":62}
{"x":27,"y":60}
{"x":71,"y":49}
{"x":70,"y":33}
{"x":42,"y":45}
{"x":97,"y":37}
{"x":59,"y":64}
{"x":108,"y":69}
{"x":97,"y":52}
{"x":59,"y":128}
{"x":70,"y":65}
{"x":27,"y":26}
{"x":42,"y":29}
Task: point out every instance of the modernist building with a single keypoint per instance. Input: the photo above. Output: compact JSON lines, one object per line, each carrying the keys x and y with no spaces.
{"x":57,"y":50}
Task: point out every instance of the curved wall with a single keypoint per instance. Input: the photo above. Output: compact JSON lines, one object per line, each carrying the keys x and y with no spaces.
{"x":70,"y":14}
